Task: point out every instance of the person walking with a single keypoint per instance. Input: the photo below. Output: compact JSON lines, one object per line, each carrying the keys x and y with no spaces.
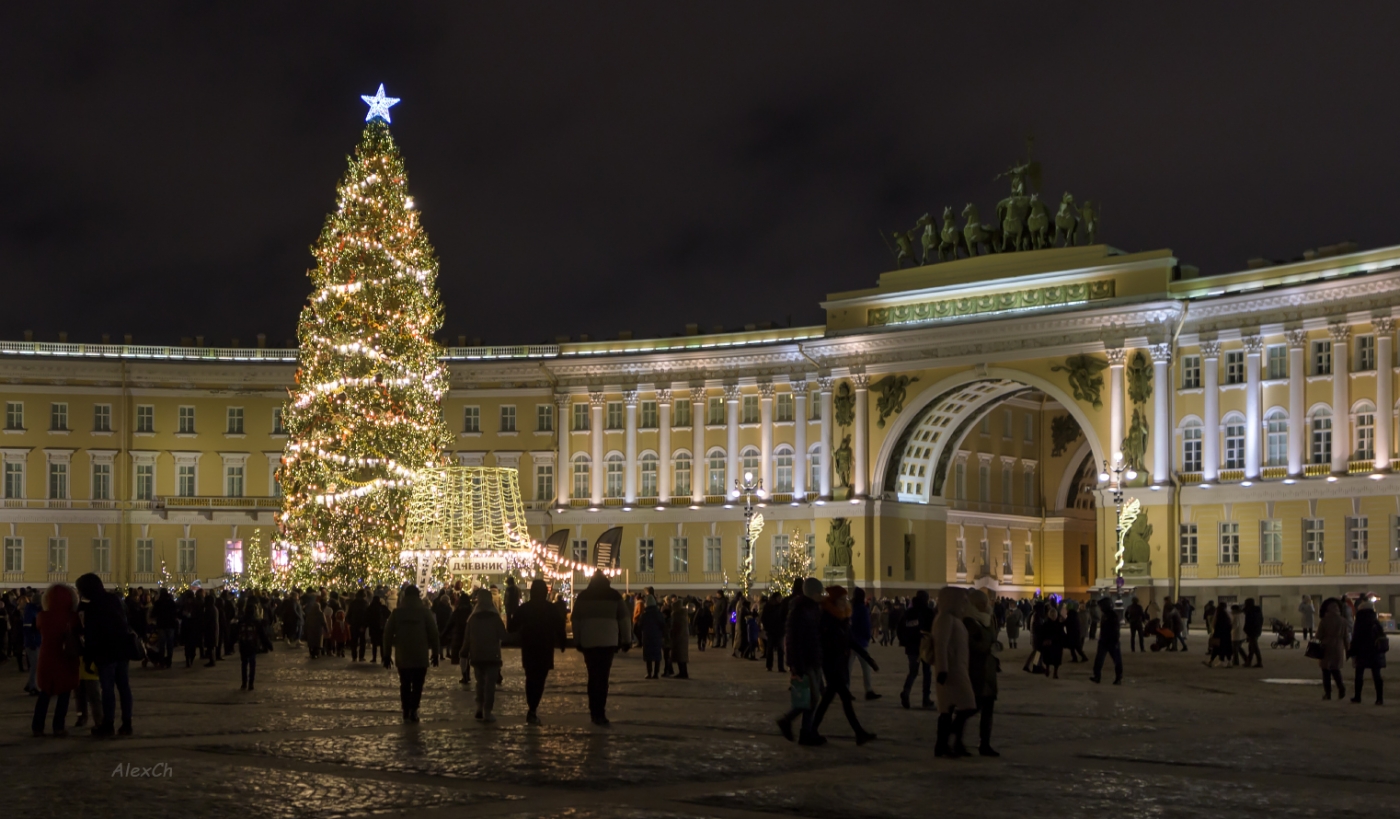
{"x":213,"y":649}
{"x":652,"y":628}
{"x":602,"y":627}
{"x":166,"y":615}
{"x":804,"y":655}
{"x":1237,"y":634}
{"x":481,"y":641}
{"x":1175,"y":619}
{"x":541,"y":628}
{"x":108,"y":645}
{"x":916,"y":622}
{"x":59,"y":653}
{"x":1050,"y":639}
{"x":30,"y":608}
{"x":1134,"y":615}
{"x":679,"y":626}
{"x":1307,"y":617}
{"x":1368,"y":649}
{"x":1332,"y":635}
{"x":1221,"y":645}
{"x":314,"y":628}
{"x":957,"y":700}
{"x":356,"y":616}
{"x":1013,"y":625}
{"x":982,"y":664}
{"x":411,"y":642}
{"x":251,"y":639}
{"x":1074,"y":632}
{"x":861,"y":633}
{"x":837,"y":646}
{"x":1209,"y":615}
{"x":773,"y":619}
{"x":376,"y":617}
{"x":1095,"y":614}
{"x":1109,"y":645}
{"x":1253,"y":629}
{"x":512,"y":599}
{"x":456,"y":633}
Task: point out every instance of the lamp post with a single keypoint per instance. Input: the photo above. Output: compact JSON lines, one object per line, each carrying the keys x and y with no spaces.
{"x":1114,"y":476}
{"x":747,"y":486}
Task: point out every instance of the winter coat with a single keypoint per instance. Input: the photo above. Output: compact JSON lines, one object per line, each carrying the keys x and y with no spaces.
{"x":1073,"y":633}
{"x":456,"y":630}
{"x":411,"y":635}
{"x":376,"y":616}
{"x":601,"y":618}
{"x":1364,"y":636}
{"x":860,"y":624}
{"x":1108,"y":629}
{"x":541,"y":630}
{"x":1253,"y":622}
{"x":802,"y":640}
{"x":165,"y":613}
{"x":773,"y":619}
{"x":1050,"y":640}
{"x":1134,"y":615}
{"x":58,"y":647}
{"x":834,"y":631}
{"x":652,"y":628}
{"x":915,"y":622}
{"x":1013,"y":623}
{"x":1332,"y":634}
{"x":1307,"y":615}
{"x":30,"y":620}
{"x":951,"y":653}
{"x":1237,"y":626}
{"x":982,"y":665}
{"x":315,"y":626}
{"x":106,"y":638}
{"x":482,"y":636}
{"x":680,"y":633}
{"x":355,"y":613}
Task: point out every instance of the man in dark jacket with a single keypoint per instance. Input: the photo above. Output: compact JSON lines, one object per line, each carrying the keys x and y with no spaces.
{"x":442,"y":609}
{"x":1135,"y":615}
{"x":1109,"y":645}
{"x":913,"y":625}
{"x":602,"y":626}
{"x":541,"y":629}
{"x":452,"y":635}
{"x":512,"y":599}
{"x":166,"y":614}
{"x":107,"y":644}
{"x":1253,"y":627}
{"x":358,"y":621}
{"x":774,"y":620}
{"x":804,"y":656}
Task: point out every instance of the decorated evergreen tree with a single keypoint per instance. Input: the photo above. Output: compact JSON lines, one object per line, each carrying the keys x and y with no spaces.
{"x":366,"y":412}
{"x":792,"y":563}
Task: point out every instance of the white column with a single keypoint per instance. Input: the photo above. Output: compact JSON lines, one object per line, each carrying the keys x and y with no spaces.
{"x":1341,"y":407}
{"x":1210,"y":381}
{"x":1385,"y":401}
{"x":1161,"y":414}
{"x":1253,"y":419}
{"x":799,"y":440}
{"x":595,"y":434}
{"x":765,"y":440}
{"x":564,"y":474}
{"x":731,"y":430}
{"x":1117,"y":356}
{"x":699,"y":466}
{"x":663,"y":445}
{"x":629,"y":481}
{"x":1297,"y":420}
{"x":860,"y":484}
{"x":824,"y":386}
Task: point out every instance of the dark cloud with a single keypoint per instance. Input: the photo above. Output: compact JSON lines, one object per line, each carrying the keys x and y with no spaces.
{"x":591,"y":167}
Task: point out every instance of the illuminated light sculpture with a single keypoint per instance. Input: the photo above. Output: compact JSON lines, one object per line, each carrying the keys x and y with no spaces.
{"x":379,"y":104}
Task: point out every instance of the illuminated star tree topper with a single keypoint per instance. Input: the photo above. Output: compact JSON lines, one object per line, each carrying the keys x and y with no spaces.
{"x":379,"y":105}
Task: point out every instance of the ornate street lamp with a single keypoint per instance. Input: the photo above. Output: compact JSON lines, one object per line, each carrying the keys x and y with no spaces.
{"x":1114,"y":477}
{"x":748,"y":486}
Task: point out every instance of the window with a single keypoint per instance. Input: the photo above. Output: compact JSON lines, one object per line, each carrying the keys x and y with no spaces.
{"x":14,"y":415}
{"x":783,"y":410}
{"x":961,"y":552}
{"x":102,"y":555}
{"x":1234,"y":442}
{"x":748,"y":461}
{"x":649,"y":416}
{"x":783,"y":470}
{"x":650,"y":467}
{"x":14,"y":479}
{"x":615,"y":415}
{"x":1276,"y":437}
{"x":582,"y":488}
{"x":145,"y":555}
{"x":184,"y":480}
{"x":1322,"y":357}
{"x":816,"y":409}
{"x":712,"y":554}
{"x":184,"y":555}
{"x":14,"y":554}
{"x":615,"y":469}
{"x":1006,"y":558}
{"x":145,"y":481}
{"x":544,"y":417}
{"x":1188,"y":544}
{"x":507,"y":418}
{"x":750,"y":410}
{"x":1278,"y":362}
{"x":277,"y":426}
{"x":1006,"y":496}
{"x":1365,"y":443}
{"x":544,"y":481}
{"x":102,"y":482}
{"x":233,"y":481}
{"x":716,"y":476}
{"x":984,"y":427}
{"x":1190,"y":372}
{"x":1365,"y":353}
{"x":58,"y":555}
{"x":186,"y":417}
{"x":471,"y":419}
{"x":145,"y":418}
{"x":682,"y":414}
{"x":984,"y":481}
{"x":580,"y":551}
{"x":1028,"y":488}
{"x":680,"y":555}
{"x":1029,"y":434}
{"x":1321,"y":436}
{"x":1030,"y":557}
{"x":101,"y":417}
{"x":960,"y":481}
{"x":1230,"y":542}
{"x":716,"y":415}
{"x":681,"y":488}
{"x":1234,"y":367}
{"x":1006,"y":424}
{"x":1270,"y":541}
{"x":814,"y":469}
{"x":58,"y":481}
{"x":235,"y":421}
{"x":1357,"y":539}
{"x":580,"y":418}
{"x":1312,"y":540}
{"x":1191,"y":439}
{"x":646,"y":555}
{"x":58,"y":415}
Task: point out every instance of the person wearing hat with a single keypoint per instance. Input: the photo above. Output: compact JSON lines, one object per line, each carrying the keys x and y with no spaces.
{"x":804,"y":656}
{"x":1368,"y":647}
{"x":411,"y":642}
{"x":481,"y":641}
{"x":602,"y":627}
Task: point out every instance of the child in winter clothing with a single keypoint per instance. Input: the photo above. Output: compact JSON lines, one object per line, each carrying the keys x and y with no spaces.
{"x":340,"y":632}
{"x":89,"y":694}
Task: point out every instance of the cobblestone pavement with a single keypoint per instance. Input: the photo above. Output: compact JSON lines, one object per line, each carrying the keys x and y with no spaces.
{"x":324,"y":738}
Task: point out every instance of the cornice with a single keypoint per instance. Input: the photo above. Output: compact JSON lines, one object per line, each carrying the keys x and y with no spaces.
{"x":1294,"y":304}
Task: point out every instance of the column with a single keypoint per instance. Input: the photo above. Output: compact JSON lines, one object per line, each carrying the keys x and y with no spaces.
{"x":1297,"y":422}
{"x":731,"y":442}
{"x":1341,"y":408}
{"x":629,"y":481}
{"x":765,"y":441}
{"x":824,"y":386}
{"x":1210,"y":381}
{"x":663,"y":445}
{"x":1385,"y":401}
{"x":1161,"y":414}
{"x":699,"y":466}
{"x":564,"y":474}
{"x":799,"y":440}
{"x":1117,"y":356}
{"x":860,"y":484}
{"x":595,"y":433}
{"x":1253,"y":419}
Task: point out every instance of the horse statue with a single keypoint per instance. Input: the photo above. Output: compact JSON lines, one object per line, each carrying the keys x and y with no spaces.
{"x":950,"y":238}
{"x":975,"y":233}
{"x":1011,"y":212}
{"x":1067,"y":222}
{"x":1038,"y":223}
{"x":1091,"y":220}
{"x":928,"y":237}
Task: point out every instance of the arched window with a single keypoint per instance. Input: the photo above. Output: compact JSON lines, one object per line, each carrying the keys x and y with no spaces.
{"x":782,"y":469}
{"x":748,"y":462}
{"x":650,"y":466}
{"x":582,"y":485}
{"x":1234,"y":441}
{"x":1276,"y":437}
{"x":681,"y":488}
{"x":717,"y":465}
{"x":1191,"y":446}
{"x":1320,"y":424}
{"x":616,"y":468}
{"x":1364,"y":446}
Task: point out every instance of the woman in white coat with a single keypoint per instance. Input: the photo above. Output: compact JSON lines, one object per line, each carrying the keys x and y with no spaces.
{"x":957,"y":702}
{"x":1307,"y":617}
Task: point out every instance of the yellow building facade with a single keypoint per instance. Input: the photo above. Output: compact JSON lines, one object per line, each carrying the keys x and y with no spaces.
{"x":954,"y":419}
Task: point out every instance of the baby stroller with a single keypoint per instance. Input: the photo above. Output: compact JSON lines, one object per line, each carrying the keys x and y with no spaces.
{"x":1283,"y":634}
{"x":1164,"y":637}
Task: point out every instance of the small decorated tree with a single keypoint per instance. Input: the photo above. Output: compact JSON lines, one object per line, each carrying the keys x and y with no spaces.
{"x":792,"y":563}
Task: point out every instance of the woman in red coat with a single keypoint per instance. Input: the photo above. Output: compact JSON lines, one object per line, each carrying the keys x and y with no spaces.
{"x":58,"y":656}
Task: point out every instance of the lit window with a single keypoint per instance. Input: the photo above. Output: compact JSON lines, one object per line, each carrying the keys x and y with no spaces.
{"x":650,"y":466}
{"x":682,"y":485}
{"x":614,"y":475}
{"x":1312,"y":540}
{"x":1234,"y":442}
{"x":1230,"y":542}
{"x":1270,"y":541}
{"x":1278,"y":362}
{"x":1276,"y":437}
{"x":1321,"y":436}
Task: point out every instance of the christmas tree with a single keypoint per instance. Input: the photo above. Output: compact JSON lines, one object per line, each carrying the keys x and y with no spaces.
{"x":366,"y":412}
{"x":792,"y":563}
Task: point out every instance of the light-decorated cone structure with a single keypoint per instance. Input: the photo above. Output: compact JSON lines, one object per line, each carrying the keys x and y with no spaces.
{"x":366,"y":412}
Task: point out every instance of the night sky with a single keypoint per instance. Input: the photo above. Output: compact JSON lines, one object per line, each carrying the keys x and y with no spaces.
{"x":591,"y":167}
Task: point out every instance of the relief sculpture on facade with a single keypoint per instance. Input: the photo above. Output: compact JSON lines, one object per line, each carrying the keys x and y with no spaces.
{"x":892,"y":390}
{"x":1085,"y":377}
